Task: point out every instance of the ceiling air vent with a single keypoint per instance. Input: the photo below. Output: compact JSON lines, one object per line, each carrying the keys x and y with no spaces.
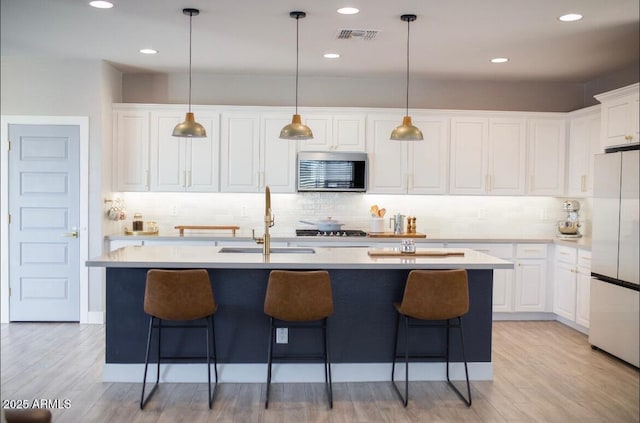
{"x":357,"y":34}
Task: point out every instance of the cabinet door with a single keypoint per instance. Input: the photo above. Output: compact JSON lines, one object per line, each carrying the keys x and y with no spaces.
{"x":131,"y":144}
{"x":530,"y":285}
{"x":240,"y":152}
{"x":348,"y":132}
{"x":546,"y":151}
{"x":584,"y":133}
{"x":506,"y":164}
{"x":583,"y":296}
{"x":468,"y":155}
{"x":322,"y":127}
{"x":427,"y":161}
{"x":202,"y":156}
{"x":167,"y":153}
{"x":502,"y":292}
{"x":564,"y":298}
{"x":387,"y":159}
{"x":620,"y":120}
{"x":278,"y":156}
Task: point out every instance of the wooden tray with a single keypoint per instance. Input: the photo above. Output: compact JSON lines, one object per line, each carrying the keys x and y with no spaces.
{"x":139,"y":233}
{"x":392,"y":235}
{"x":419,"y":253}
{"x":233,"y":228}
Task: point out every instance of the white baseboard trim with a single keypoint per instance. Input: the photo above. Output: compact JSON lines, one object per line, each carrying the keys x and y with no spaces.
{"x":573,"y":325}
{"x":95,"y":318}
{"x":292,"y":373}
{"x":524,"y":315}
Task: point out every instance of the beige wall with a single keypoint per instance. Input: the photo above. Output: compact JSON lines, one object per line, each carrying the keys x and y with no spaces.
{"x":263,"y":90}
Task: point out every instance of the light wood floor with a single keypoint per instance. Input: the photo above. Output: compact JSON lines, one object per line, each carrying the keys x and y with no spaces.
{"x":544,"y":372}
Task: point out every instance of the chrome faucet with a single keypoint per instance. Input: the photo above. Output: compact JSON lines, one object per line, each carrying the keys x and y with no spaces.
{"x":269,"y":221}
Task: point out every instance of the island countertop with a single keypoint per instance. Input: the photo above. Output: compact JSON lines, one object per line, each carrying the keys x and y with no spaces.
{"x":186,"y":256}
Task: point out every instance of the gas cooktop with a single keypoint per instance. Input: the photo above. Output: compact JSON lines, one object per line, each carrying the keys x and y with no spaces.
{"x":343,"y":232}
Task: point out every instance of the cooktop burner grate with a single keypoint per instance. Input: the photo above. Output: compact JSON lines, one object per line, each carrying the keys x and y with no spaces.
{"x":343,"y":232}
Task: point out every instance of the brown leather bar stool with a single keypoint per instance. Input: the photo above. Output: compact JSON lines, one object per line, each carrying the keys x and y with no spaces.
{"x":436,"y":296}
{"x":28,"y":416}
{"x":179,"y":295}
{"x":299,"y":297}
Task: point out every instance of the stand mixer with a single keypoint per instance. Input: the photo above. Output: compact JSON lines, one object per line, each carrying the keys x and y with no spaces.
{"x":569,"y":227}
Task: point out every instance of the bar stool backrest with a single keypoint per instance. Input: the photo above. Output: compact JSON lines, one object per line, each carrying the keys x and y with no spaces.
{"x":179,"y":294}
{"x":298,"y":296}
{"x":435,"y":294}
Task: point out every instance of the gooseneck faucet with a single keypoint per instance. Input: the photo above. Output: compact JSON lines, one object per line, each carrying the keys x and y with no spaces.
{"x":269,"y":221}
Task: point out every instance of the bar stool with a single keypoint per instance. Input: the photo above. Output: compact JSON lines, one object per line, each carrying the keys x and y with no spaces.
{"x":40,"y":415}
{"x":299,"y":297}
{"x":179,"y":295}
{"x":437,"y":296}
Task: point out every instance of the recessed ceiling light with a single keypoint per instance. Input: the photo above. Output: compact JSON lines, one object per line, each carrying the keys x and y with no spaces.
{"x":331,"y":55}
{"x":348,"y":10}
{"x":499,"y":60}
{"x":101,"y":4}
{"x":570,"y":17}
{"x":148,"y":51}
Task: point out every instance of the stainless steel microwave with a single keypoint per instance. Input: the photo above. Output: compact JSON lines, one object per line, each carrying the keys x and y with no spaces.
{"x":332,"y":171}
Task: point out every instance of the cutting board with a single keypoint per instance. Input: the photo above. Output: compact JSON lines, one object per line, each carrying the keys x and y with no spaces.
{"x":392,"y":235}
{"x":419,"y":253}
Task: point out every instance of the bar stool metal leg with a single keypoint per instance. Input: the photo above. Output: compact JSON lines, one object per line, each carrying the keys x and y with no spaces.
{"x":210,"y":328}
{"x":327,"y":364}
{"x":404,"y":398}
{"x":270,"y":360}
{"x":143,"y":401}
{"x":467,"y":400}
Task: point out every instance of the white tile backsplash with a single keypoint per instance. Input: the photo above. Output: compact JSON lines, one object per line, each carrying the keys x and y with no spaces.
{"x":437,"y":216}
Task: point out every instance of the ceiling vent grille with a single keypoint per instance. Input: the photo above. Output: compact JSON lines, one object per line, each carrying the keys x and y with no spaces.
{"x":357,"y":34}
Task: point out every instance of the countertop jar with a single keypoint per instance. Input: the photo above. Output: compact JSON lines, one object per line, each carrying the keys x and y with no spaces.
{"x":137,"y":222}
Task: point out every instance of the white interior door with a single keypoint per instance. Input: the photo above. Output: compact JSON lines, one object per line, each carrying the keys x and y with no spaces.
{"x":44,"y":203}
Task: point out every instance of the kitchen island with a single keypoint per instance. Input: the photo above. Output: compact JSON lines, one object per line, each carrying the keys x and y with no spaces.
{"x":361,"y":328}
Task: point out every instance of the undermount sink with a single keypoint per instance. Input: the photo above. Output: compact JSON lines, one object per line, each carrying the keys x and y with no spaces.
{"x":276,"y":250}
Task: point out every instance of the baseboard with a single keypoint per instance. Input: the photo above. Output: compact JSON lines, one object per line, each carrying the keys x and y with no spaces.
{"x":292,"y":373}
{"x":95,"y":318}
{"x":573,"y":325}
{"x":524,"y":315}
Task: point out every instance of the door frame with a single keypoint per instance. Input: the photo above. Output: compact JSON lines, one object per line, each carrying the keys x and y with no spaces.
{"x":83,"y":123}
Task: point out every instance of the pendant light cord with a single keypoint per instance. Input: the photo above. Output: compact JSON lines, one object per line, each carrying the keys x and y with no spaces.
{"x":190,"y":30}
{"x":407,"y":97}
{"x":297,"y":57}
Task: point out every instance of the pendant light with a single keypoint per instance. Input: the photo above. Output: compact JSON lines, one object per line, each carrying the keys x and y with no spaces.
{"x":296,"y":130}
{"x":189,"y":128}
{"x":406,"y":131}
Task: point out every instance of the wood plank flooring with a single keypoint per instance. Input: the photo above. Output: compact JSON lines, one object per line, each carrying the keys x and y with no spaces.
{"x":544,"y":372}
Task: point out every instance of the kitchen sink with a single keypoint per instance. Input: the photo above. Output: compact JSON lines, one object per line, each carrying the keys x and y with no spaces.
{"x":276,"y":250}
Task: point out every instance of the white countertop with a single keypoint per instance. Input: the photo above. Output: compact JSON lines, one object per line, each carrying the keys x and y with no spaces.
{"x":181,"y":256}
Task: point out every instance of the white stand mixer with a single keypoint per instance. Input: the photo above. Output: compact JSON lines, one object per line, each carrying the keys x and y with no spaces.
{"x":570,"y":226}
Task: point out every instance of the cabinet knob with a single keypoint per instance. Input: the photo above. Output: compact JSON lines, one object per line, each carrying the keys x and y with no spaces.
{"x":628,"y":137}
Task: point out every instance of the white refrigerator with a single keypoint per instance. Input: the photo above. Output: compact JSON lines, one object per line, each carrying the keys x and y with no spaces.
{"x":615,"y":304}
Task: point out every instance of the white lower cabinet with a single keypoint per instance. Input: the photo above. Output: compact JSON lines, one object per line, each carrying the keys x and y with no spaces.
{"x":572,"y":274}
{"x":502,"y":278}
{"x":531,"y":277}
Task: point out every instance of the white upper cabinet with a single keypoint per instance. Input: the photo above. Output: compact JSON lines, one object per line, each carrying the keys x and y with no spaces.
{"x":469,"y":146}
{"x":584,"y":142}
{"x":131,"y":150}
{"x":407,"y":167}
{"x":184,"y":164}
{"x":240,"y":152}
{"x":619,"y":116}
{"x":253,"y":155}
{"x":506,"y":164}
{"x":277,"y":156}
{"x":335,"y":132}
{"x":546,"y":141}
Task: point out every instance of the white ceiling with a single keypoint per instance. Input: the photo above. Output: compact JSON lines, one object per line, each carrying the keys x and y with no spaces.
{"x":452,"y":39}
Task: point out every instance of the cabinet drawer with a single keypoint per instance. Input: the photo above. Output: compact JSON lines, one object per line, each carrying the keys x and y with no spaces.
{"x":503,"y":251}
{"x":584,"y":259}
{"x":531,"y":251}
{"x":566,"y":254}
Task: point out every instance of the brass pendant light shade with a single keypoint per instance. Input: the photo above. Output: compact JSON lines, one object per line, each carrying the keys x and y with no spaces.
{"x":189,"y":128}
{"x":296,"y":130}
{"x":406,"y":131}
